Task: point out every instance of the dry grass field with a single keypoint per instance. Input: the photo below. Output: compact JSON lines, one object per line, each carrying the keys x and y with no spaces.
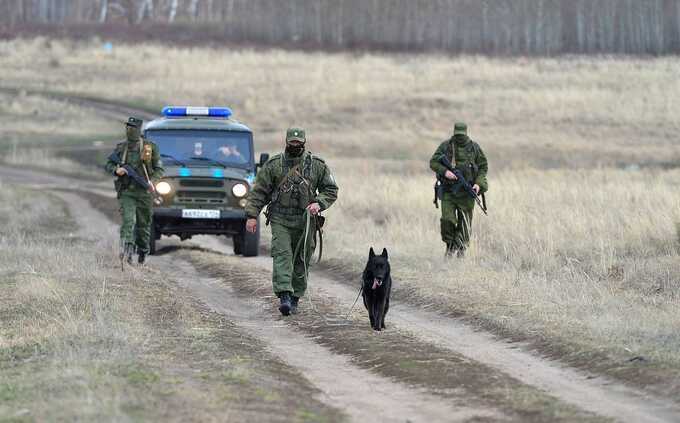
{"x":80,"y":340}
{"x":580,"y":250}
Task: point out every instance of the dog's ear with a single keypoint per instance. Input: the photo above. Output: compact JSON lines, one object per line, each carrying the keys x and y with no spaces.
{"x":384,"y":253}
{"x":371,"y":253}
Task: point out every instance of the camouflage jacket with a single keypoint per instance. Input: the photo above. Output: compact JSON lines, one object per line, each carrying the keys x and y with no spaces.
{"x":289,"y":185}
{"x":467,"y":157}
{"x":148,"y":157}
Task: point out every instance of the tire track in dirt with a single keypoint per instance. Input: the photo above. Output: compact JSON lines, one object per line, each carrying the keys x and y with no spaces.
{"x":356,"y":391}
{"x":188,"y":368}
{"x":596,"y":394}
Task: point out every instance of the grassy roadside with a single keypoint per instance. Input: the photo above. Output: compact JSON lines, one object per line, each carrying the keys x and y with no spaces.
{"x":80,"y":341}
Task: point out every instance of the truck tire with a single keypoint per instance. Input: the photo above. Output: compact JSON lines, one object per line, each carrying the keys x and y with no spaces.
{"x":251,"y":243}
{"x":237,"y":240}
{"x":246,"y":243}
{"x":152,"y":240}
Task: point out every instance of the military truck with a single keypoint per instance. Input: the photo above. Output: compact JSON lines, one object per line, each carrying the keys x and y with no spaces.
{"x":209,"y":169}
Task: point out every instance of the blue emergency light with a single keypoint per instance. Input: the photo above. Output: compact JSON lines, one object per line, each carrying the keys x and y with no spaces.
{"x":180,"y":111}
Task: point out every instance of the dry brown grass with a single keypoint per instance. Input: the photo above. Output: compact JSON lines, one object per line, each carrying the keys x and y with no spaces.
{"x":580,"y":244}
{"x":580,"y":112}
{"x":81,"y":341}
{"x":33,"y":130}
{"x":560,"y":256}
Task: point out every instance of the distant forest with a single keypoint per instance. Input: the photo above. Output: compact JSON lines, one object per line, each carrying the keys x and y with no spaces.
{"x":495,"y":27}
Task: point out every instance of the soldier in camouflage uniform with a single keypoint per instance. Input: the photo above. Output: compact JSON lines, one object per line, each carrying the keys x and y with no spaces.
{"x":457,"y":205}
{"x":135,"y":202}
{"x":292,"y":184}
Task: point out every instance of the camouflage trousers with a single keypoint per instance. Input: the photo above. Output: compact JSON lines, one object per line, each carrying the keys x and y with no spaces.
{"x":289,"y":271}
{"x":136,"y":211}
{"x":456,"y":221}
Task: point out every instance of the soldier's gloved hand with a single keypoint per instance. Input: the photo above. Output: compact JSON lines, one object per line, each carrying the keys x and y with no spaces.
{"x":251,"y":225}
{"x":475,"y":187}
{"x":450,"y":175}
{"x":121,"y":171}
{"x":314,"y":209}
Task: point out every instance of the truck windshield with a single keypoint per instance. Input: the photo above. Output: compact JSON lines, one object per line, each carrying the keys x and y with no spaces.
{"x":196,"y":147}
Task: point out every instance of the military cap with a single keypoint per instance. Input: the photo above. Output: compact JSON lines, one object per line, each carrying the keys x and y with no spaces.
{"x":459,"y":128}
{"x":295,"y":134}
{"x":134,"y":121}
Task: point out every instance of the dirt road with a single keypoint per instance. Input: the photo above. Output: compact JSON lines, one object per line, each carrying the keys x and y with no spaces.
{"x":425,"y":367}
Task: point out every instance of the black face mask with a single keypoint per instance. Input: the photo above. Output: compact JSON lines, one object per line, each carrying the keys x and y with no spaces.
{"x":133,"y":133}
{"x":295,"y":150}
{"x":460,"y":138}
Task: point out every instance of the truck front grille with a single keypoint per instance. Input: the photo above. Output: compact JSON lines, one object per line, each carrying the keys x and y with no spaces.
{"x":211,"y":183}
{"x":196,"y":197}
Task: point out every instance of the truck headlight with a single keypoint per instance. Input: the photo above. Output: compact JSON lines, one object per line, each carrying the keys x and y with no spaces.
{"x":163,"y":188}
{"x":239,"y":190}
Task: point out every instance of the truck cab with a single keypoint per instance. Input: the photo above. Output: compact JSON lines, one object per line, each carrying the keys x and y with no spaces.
{"x":209,"y":169}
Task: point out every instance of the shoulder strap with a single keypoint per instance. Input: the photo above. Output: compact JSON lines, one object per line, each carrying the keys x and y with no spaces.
{"x":125,"y":151}
{"x":307,"y":166}
{"x":451,"y":152}
{"x":285,"y":177}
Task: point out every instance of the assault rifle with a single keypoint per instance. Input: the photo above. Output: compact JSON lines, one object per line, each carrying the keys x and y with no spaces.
{"x":137,"y":178}
{"x":461,"y":182}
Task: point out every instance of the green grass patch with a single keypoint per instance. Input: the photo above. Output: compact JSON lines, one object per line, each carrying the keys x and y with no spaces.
{"x":138,"y":375}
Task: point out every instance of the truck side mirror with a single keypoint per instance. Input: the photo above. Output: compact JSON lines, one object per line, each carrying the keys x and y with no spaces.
{"x":263,"y":159}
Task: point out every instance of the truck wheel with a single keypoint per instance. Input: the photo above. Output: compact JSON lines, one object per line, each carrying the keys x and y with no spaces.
{"x":238,"y":244}
{"x":251,"y":242}
{"x":152,"y":240}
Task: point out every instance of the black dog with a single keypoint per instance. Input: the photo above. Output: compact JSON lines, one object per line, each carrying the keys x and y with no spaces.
{"x":377,"y":285}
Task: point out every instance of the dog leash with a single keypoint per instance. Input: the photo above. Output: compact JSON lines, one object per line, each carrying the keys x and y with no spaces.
{"x":355,"y":302}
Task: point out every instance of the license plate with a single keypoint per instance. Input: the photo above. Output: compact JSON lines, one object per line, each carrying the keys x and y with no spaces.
{"x":200,"y":214}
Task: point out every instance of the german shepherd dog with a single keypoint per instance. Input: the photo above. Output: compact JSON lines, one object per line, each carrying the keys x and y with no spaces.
{"x":377,"y":284}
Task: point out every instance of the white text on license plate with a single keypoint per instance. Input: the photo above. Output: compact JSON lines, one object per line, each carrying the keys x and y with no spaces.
{"x":200,"y":214}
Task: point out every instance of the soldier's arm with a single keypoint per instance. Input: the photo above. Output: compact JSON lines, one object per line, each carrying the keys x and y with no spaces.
{"x":483,"y":166}
{"x":260,"y":195}
{"x":435,"y":164}
{"x":110,"y":165}
{"x":156,"y":165}
{"x":327,"y":187}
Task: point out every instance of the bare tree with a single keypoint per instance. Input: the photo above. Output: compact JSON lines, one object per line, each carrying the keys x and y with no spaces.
{"x":469,"y":26}
{"x":145,"y":9}
{"x":103,"y":11}
{"x":193,"y":9}
{"x":173,"y":11}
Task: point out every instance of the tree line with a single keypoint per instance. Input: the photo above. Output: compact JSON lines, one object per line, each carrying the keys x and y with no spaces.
{"x":498,"y":27}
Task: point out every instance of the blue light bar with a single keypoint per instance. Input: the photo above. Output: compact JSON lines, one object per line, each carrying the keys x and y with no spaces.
{"x":218,"y":173}
{"x":178,"y":111}
{"x":184,"y":171}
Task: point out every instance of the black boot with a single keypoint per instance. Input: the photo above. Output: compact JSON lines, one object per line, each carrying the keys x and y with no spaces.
{"x":141,"y":258}
{"x":285,"y":306}
{"x":293,"y":304}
